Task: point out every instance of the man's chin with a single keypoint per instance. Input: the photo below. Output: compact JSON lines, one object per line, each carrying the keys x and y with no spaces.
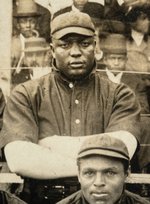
{"x":27,"y":34}
{"x":77,"y":76}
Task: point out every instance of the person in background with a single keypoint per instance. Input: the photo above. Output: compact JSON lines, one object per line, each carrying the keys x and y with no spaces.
{"x":138,"y":40}
{"x":115,"y":59}
{"x":27,"y":16}
{"x":138,"y":53}
{"x":103,"y":166}
{"x":114,"y":51}
{"x":51,"y":115}
{"x":35,"y":54}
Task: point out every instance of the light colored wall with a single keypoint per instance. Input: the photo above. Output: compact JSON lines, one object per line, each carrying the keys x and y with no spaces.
{"x":5,"y":43}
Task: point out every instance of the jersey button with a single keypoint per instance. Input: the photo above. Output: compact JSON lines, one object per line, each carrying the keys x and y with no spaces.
{"x":71,"y":85}
{"x":77,"y":121}
{"x":76,"y":101}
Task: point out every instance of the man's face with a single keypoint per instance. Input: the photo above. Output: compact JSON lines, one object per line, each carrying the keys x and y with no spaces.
{"x":26,"y":25}
{"x":74,"y":55}
{"x":102,"y":179}
{"x":115,"y":61}
{"x":34,"y":59}
{"x":142,"y":24}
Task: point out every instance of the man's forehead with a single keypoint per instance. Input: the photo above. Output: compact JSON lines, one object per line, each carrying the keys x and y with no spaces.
{"x":100,"y":162}
{"x":75,"y":36}
{"x":27,"y":18}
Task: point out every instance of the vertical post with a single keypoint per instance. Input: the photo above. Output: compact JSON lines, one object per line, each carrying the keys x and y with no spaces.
{"x":5,"y":44}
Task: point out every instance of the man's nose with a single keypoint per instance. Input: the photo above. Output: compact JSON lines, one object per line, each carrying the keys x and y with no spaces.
{"x":34,"y":58}
{"x":116,"y":61}
{"x":99,"y":180}
{"x":75,"y":50}
{"x":28,"y":24}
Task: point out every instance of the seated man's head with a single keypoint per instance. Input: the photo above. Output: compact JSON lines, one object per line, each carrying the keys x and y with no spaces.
{"x":27,"y":17}
{"x":103,"y":163}
{"x":114,"y":51}
{"x":73,"y":44}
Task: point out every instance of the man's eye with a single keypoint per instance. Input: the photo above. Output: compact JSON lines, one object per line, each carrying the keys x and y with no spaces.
{"x":64,"y":45}
{"x":112,"y":58}
{"x":110,"y":173}
{"x":89,"y":173}
{"x":85,"y":44}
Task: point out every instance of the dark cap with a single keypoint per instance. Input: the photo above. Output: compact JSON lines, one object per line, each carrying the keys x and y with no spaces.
{"x":114,"y":44}
{"x":94,"y":9}
{"x":107,"y":145}
{"x":26,"y":8}
{"x":72,"y":22}
{"x":112,"y":26}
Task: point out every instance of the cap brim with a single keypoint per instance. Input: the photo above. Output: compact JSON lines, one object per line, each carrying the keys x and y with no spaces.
{"x":26,"y":15}
{"x":102,"y":152}
{"x":79,"y":30}
{"x":36,"y":50}
{"x":115,"y":51}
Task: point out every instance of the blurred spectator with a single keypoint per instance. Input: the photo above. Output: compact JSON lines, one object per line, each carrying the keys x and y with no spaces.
{"x":138,"y":40}
{"x":114,"y":59}
{"x":114,"y":55}
{"x":36,"y":55}
{"x":27,"y":23}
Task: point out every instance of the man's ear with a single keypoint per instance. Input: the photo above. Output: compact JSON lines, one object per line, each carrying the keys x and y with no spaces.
{"x":104,"y":59}
{"x":52,"y":50}
{"x":78,"y":175}
{"x":98,"y":55}
{"x":18,"y":25}
{"x":128,"y":172}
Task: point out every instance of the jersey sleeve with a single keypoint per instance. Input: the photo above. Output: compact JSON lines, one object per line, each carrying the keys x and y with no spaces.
{"x":19,"y":122}
{"x":125,"y":113}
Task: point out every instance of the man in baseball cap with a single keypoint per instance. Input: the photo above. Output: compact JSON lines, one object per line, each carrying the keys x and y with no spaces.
{"x":103,"y":166}
{"x":73,"y":100}
{"x":73,"y":33}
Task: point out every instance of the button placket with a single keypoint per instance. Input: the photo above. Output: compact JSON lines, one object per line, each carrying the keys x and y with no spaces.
{"x":76,"y":112}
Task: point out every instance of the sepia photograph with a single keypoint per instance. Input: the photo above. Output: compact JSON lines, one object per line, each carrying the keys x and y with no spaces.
{"x":75,"y":102}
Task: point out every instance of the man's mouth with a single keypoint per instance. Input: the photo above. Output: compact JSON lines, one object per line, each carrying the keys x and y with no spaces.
{"x":76,"y":65}
{"x":100,"y":195}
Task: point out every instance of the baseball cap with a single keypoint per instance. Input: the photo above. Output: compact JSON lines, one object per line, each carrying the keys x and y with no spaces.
{"x":107,"y":144}
{"x":72,"y":22}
